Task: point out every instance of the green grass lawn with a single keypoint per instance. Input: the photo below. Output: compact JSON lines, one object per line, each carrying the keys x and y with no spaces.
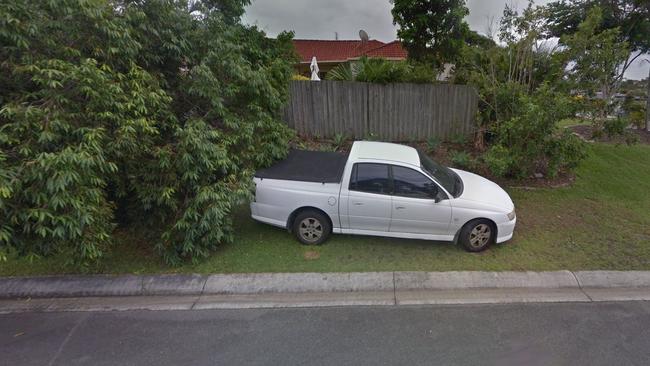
{"x":601,"y":222}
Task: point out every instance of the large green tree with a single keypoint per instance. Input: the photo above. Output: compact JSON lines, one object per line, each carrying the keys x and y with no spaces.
{"x":593,"y":60}
{"x":431,"y":30}
{"x":630,"y":17}
{"x":150,"y":112}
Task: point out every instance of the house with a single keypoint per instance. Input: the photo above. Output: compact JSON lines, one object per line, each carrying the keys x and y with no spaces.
{"x":331,"y":53}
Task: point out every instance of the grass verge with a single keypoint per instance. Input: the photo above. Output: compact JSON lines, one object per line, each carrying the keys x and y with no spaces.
{"x":601,"y":222}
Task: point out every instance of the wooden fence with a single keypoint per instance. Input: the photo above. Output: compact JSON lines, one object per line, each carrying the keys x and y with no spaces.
{"x":394,"y":112}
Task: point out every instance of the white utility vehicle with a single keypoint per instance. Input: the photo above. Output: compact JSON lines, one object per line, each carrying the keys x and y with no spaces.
{"x":381,"y":189}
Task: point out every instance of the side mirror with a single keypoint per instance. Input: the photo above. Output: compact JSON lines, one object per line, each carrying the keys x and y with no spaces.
{"x":439,"y":196}
{"x":434,"y":193}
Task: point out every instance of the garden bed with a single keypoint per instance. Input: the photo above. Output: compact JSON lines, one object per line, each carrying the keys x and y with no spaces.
{"x":444,"y":154}
{"x":587,"y":133}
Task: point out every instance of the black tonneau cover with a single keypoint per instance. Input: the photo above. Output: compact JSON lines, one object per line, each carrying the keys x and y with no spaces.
{"x":307,"y":166}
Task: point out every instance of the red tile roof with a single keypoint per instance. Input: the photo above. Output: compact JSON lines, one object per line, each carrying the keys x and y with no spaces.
{"x":335,"y":50}
{"x":389,"y":50}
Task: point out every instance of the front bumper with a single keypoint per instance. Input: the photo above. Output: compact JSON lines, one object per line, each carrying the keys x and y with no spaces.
{"x":505,"y":230}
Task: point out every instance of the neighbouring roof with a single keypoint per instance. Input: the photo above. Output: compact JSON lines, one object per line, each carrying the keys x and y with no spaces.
{"x":344,"y":50}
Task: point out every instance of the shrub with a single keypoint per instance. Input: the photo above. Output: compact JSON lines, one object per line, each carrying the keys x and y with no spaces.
{"x":458,"y":139}
{"x":377,"y":70}
{"x":637,"y":118}
{"x":163,"y":126}
{"x":382,"y":71}
{"x":498,"y":160}
{"x":531,"y":142}
{"x":419,"y":73}
{"x":339,"y":140}
{"x":615,"y":126}
{"x":462,"y":159}
{"x":433,"y":143}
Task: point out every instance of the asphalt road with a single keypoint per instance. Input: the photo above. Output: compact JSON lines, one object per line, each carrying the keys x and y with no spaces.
{"x":522,"y":334}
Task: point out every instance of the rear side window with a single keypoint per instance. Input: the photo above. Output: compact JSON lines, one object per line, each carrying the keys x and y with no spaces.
{"x":371,"y":178}
{"x":409,"y":183}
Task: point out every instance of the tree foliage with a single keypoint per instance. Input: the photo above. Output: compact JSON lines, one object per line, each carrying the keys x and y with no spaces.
{"x":593,"y":59}
{"x":522,"y":97}
{"x":152,"y":112}
{"x":530,"y":141}
{"x":430,"y":30}
{"x":504,"y":72}
{"x":631,"y":17}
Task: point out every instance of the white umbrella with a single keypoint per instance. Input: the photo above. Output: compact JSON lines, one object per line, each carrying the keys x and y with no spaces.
{"x":314,"y":69}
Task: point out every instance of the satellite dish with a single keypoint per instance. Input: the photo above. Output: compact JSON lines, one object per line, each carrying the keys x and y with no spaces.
{"x":363,"y":35}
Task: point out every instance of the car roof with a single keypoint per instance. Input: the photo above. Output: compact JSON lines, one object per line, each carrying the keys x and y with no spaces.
{"x":373,"y":150}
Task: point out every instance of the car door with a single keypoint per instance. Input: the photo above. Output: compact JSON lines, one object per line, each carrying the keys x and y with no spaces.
{"x":369,"y":200}
{"x":414,"y":206}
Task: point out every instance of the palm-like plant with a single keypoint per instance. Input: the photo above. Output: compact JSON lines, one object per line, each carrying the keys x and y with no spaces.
{"x":382,"y":71}
{"x":342,"y":72}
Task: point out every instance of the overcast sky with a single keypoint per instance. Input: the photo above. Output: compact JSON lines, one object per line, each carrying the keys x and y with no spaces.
{"x":320,"y":19}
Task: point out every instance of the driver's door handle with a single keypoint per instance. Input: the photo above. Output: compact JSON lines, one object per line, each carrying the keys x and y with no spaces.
{"x":399,"y":207}
{"x":358,"y":203}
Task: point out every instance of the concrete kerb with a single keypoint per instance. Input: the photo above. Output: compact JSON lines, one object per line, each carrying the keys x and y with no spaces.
{"x":278,"y":283}
{"x":257,"y":283}
{"x":175,"y":284}
{"x":483,"y":280}
{"x":70,"y":286}
{"x":613,"y":279}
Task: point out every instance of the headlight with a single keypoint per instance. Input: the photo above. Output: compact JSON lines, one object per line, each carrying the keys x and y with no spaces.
{"x":511,"y":216}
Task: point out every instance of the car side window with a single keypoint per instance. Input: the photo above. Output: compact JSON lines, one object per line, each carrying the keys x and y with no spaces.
{"x":411,"y":183}
{"x":370,"y":178}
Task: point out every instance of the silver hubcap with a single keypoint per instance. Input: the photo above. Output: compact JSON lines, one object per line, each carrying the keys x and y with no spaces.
{"x":480,"y":235}
{"x":310,"y":229}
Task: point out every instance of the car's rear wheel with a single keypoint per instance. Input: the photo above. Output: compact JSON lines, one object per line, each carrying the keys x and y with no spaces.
{"x":477,"y":235}
{"x":311,"y":227}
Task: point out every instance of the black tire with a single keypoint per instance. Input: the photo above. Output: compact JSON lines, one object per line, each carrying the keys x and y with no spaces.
{"x":311,"y":227}
{"x":477,"y":235}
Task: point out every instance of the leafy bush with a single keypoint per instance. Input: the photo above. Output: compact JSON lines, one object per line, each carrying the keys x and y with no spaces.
{"x":615,"y":126}
{"x":377,"y":70}
{"x":499,"y":160}
{"x":420,"y":73}
{"x":531,"y":142}
{"x":458,"y":139}
{"x":462,"y":159}
{"x":637,"y":118}
{"x":433,"y":143}
{"x":636,"y":111}
{"x":382,"y":71}
{"x":150,"y":113}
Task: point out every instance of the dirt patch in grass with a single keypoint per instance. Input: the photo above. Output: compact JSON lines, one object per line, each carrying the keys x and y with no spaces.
{"x":311,"y":255}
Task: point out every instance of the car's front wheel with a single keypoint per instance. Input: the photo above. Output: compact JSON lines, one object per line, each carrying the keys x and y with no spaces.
{"x":477,"y":235}
{"x":311,"y":227}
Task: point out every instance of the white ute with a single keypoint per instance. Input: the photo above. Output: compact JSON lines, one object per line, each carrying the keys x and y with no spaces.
{"x":381,"y":189}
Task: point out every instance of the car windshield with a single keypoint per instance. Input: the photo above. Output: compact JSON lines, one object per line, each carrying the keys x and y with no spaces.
{"x":445,"y":176}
